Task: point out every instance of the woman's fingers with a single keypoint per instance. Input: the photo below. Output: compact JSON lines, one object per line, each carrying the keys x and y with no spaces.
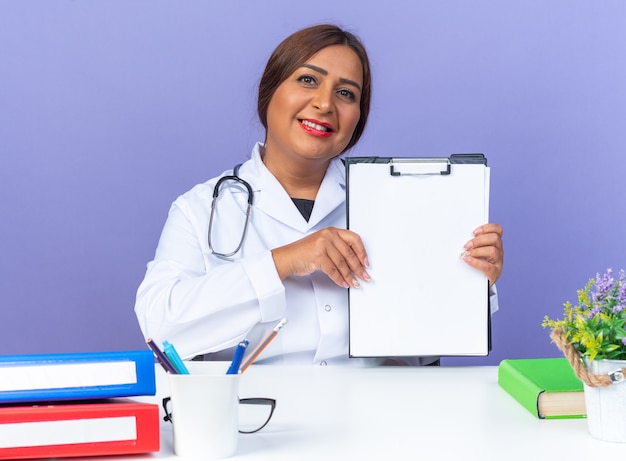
{"x":339,"y":253}
{"x":346,"y":261}
{"x":485,"y":251}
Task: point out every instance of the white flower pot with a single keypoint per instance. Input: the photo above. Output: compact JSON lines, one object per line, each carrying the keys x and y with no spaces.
{"x":606,"y":406}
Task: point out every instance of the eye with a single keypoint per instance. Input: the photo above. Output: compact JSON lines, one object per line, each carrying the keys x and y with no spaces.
{"x":307,"y":79}
{"x":347,"y":94}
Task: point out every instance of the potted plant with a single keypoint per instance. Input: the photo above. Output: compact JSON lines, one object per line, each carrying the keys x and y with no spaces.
{"x":592,"y":335}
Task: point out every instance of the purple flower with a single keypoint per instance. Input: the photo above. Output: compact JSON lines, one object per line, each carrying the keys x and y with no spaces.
{"x":604,"y":285}
{"x":595,"y":311}
{"x":624,"y":341}
{"x":621,"y":293}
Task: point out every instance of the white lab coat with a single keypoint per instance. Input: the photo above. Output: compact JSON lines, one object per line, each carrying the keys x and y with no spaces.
{"x":204,"y":304}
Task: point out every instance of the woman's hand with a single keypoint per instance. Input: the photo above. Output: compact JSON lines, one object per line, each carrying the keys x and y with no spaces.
{"x":339,"y":253}
{"x":485,"y":252}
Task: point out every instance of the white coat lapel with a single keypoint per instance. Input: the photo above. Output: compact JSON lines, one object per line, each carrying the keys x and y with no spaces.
{"x":273,"y":201}
{"x":332,"y":193}
{"x":271,"y":198}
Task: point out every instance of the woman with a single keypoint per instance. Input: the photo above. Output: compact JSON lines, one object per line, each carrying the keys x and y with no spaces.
{"x":296,"y":258}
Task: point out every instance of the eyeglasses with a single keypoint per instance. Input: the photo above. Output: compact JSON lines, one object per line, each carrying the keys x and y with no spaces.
{"x":254,"y":413}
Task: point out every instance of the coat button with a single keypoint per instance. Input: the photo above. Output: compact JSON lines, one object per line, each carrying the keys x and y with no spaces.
{"x":323,"y":363}
{"x":327,"y":308}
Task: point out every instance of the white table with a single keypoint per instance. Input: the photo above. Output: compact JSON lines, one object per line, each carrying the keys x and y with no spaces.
{"x":428,"y":413}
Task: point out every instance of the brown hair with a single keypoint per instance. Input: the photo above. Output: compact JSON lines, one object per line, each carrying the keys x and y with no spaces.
{"x":295,"y":50}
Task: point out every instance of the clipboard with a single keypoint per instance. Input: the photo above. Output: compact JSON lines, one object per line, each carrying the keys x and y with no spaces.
{"x":414,"y":216}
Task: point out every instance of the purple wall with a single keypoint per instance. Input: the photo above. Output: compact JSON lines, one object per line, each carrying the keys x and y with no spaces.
{"x":109,"y":110}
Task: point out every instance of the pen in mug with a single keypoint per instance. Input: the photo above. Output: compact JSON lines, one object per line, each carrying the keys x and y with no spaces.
{"x":257,"y":350}
{"x":171,"y":354}
{"x":238,"y":357}
{"x":161,"y":357}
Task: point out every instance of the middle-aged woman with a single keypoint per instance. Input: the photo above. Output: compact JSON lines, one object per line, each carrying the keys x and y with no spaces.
{"x":297,"y":258}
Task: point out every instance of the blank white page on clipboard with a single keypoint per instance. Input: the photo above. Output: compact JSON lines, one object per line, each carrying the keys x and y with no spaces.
{"x":423,"y":299}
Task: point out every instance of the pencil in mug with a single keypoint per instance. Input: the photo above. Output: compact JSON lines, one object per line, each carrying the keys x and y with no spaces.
{"x":172,"y":355}
{"x":162,"y":358}
{"x":261,"y":346}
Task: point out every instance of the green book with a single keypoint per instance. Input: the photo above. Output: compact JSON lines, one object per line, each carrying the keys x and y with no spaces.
{"x":547,"y":387}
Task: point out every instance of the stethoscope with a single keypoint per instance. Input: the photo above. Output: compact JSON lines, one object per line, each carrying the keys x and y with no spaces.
{"x":216,"y":192}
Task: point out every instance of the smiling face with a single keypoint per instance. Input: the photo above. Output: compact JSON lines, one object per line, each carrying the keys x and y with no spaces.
{"x":314,"y":112}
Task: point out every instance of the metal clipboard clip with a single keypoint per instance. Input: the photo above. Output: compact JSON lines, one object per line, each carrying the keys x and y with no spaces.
{"x":419,"y":166}
{"x":432,"y":166}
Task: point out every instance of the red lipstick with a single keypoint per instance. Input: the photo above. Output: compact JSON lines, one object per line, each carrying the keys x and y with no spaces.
{"x":316,"y":128}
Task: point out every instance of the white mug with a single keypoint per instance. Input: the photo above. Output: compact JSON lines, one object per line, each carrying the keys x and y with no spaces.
{"x":205,"y":411}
